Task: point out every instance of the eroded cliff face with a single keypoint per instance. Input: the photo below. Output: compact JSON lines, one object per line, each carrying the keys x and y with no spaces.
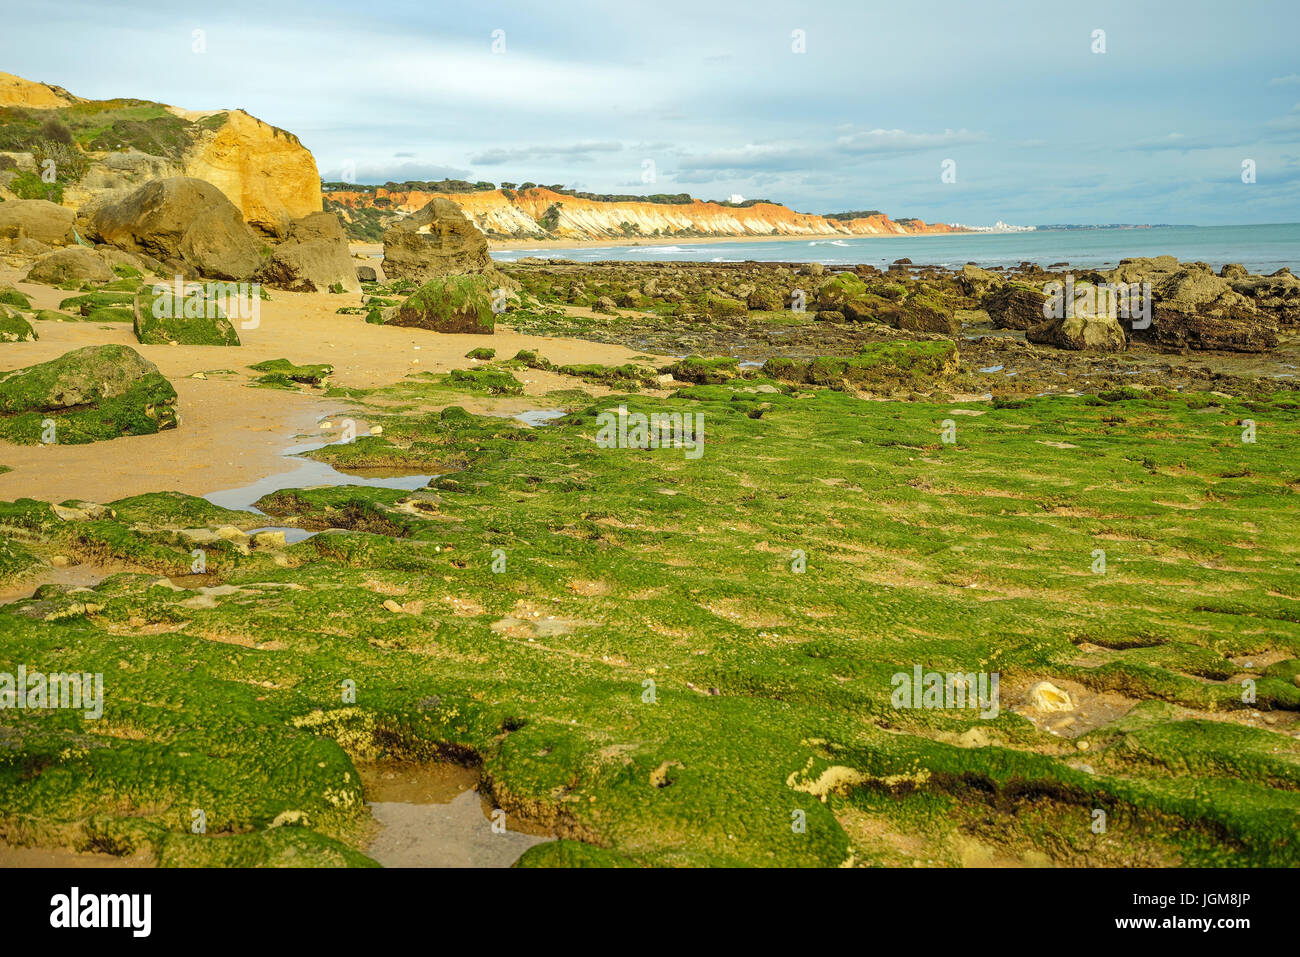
{"x":262,"y":169}
{"x":542,"y":212}
{"x":265,"y":171}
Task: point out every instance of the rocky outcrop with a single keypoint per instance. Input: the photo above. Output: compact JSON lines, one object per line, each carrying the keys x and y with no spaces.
{"x":99,"y":392}
{"x":449,"y":304}
{"x":36,"y":219}
{"x":314,"y":258}
{"x":180,"y":219}
{"x":265,"y":171}
{"x":437,"y":241}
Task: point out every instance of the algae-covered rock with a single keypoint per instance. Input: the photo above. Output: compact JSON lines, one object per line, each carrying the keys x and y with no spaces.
{"x":9,"y":296}
{"x":449,"y":304}
{"x":14,"y":328}
{"x":196,"y":319}
{"x":282,"y":372}
{"x":704,"y":371}
{"x":99,"y":392}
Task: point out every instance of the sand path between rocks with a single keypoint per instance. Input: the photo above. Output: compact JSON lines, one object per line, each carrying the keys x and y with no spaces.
{"x":230,"y":434}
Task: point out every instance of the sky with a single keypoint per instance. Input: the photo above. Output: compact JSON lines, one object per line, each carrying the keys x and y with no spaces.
{"x":1036,"y":116}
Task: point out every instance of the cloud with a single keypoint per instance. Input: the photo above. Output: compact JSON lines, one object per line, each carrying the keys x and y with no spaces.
{"x":901,"y":141}
{"x":574,"y":152}
{"x":1292,"y":79}
{"x":381,"y":172}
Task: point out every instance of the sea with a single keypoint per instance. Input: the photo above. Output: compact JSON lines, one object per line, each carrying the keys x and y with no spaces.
{"x":1261,"y":249}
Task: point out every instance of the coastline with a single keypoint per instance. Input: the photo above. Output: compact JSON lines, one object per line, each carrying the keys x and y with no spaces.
{"x":705,"y":241}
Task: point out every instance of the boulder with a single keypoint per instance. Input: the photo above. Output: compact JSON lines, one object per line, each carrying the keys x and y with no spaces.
{"x":314,"y":258}
{"x":14,"y":328}
{"x":766,"y":300}
{"x":438,"y":240}
{"x":180,"y":219}
{"x":449,"y":304}
{"x":99,"y":392}
{"x":1093,"y":330}
{"x":197,"y":319}
{"x":371,"y":272}
{"x":1015,"y":306}
{"x":73,"y":264}
{"x":37,"y":219}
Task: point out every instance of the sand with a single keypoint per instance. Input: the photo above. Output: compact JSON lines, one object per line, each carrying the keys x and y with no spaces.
{"x":230,"y":434}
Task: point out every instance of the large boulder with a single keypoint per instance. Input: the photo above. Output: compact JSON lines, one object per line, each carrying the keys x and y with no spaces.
{"x":36,"y":219}
{"x":99,"y":392}
{"x":1089,"y":323}
{"x":1015,"y":306}
{"x":439,"y":240}
{"x":314,"y":258}
{"x":449,"y":304}
{"x":197,"y":318}
{"x":73,"y":264}
{"x":180,"y":219}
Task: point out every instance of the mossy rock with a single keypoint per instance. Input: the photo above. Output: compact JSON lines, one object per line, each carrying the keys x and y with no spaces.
{"x":533,"y":360}
{"x":896,"y":364}
{"x":449,"y":304}
{"x":96,"y":300}
{"x":481,"y":353}
{"x":90,"y":394}
{"x":491,"y":381}
{"x":704,"y":371}
{"x":197,"y":320}
{"x":719,"y":306}
{"x":282,"y":372}
{"x":14,"y":328}
{"x":9,"y":296}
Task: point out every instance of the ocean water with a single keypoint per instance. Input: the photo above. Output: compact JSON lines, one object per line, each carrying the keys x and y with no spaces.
{"x":1261,"y":249}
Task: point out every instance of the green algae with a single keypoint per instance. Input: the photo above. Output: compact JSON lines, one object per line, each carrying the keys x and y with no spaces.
{"x":771,"y":685}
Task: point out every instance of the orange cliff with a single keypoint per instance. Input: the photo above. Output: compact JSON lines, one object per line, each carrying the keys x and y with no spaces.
{"x":523,"y":213}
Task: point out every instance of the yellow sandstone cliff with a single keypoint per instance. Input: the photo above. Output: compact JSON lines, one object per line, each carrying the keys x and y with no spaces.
{"x":262,"y":169}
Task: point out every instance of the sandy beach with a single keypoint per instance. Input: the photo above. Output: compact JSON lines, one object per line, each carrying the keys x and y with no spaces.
{"x":231,"y":435}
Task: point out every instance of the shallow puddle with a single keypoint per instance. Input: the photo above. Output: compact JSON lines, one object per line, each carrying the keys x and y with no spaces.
{"x":310,"y":474}
{"x":432,"y":815}
{"x":72,"y":576}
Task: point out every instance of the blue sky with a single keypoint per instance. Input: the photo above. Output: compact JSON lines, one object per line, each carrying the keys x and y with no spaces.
{"x":1041,"y":129}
